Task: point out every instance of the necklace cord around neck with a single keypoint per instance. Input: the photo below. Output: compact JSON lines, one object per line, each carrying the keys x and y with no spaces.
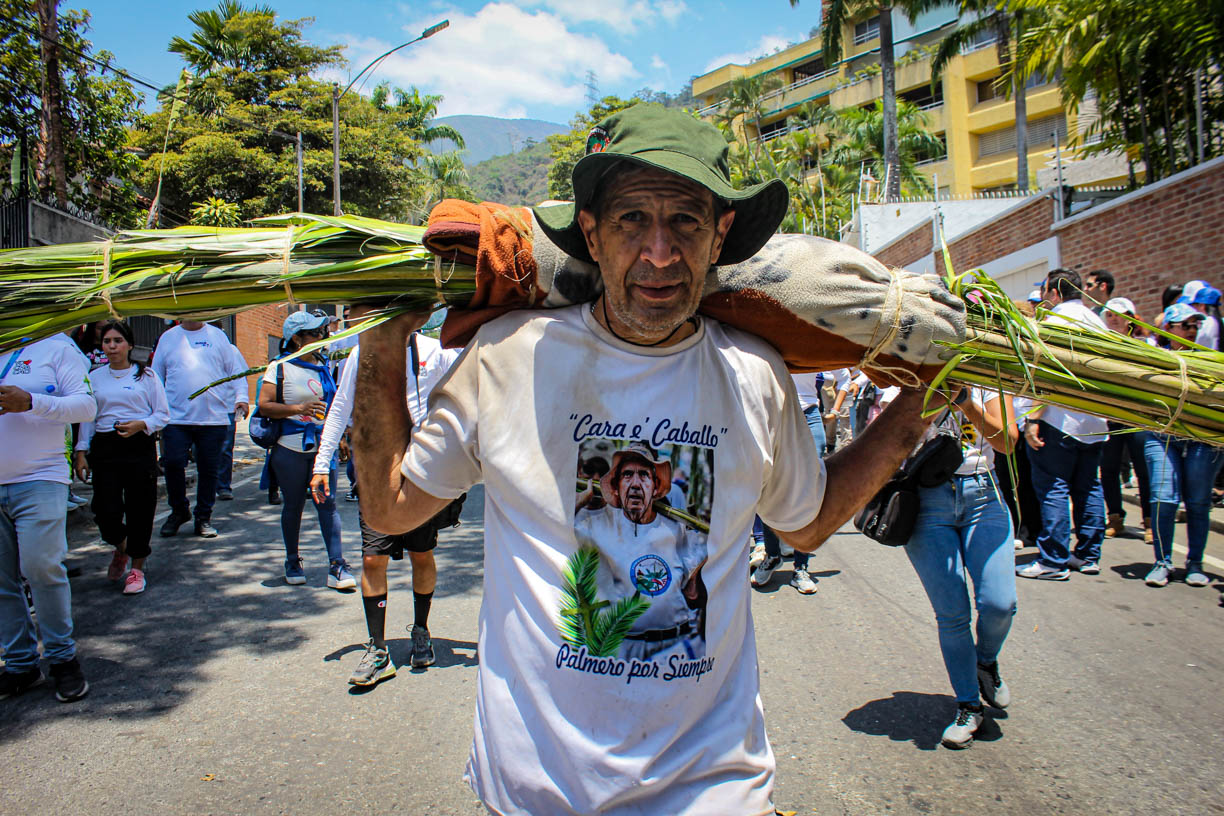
{"x":608,"y":326}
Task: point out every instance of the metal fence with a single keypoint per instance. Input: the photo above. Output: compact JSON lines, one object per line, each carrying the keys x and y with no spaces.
{"x":14,"y":223}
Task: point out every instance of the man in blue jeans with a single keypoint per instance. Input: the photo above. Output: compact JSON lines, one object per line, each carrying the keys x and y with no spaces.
{"x":1065,"y":454}
{"x":43,"y":388}
{"x":189,"y":357}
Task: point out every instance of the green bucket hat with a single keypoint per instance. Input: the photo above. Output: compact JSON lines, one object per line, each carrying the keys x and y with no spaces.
{"x":654,"y":136}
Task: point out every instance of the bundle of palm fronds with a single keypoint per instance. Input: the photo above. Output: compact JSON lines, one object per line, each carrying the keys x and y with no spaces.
{"x":1121,"y":378}
{"x":209,"y":272}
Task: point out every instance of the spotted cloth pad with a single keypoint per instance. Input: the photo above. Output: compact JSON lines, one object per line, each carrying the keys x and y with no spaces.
{"x":821,"y":304}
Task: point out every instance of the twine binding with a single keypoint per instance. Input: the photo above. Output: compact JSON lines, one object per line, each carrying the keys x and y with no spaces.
{"x":1185,"y":388}
{"x":106,"y":264}
{"x":902,"y":375}
{"x":285,"y":267}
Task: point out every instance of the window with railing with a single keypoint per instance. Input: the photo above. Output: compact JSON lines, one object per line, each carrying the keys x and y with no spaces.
{"x":812,"y":68}
{"x":866,"y":30}
{"x":773,"y":130}
{"x":988,"y":90}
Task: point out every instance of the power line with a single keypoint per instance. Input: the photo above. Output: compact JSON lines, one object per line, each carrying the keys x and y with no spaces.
{"x":107,"y":66}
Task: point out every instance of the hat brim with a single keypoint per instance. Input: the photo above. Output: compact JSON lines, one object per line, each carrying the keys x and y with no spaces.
{"x":318,"y":322}
{"x":759,"y":209}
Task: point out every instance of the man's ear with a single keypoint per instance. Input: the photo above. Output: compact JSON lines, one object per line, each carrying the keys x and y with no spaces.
{"x":720,"y":234}
{"x":586,"y":223}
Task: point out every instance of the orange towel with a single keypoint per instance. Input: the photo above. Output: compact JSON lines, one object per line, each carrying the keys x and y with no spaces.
{"x":496,"y":239}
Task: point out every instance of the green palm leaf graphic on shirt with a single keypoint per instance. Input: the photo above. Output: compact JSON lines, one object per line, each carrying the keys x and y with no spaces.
{"x":585,"y":620}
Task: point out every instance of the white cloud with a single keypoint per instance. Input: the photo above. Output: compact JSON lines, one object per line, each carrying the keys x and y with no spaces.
{"x":767,"y":45}
{"x":622,"y":15}
{"x":499,"y":61}
{"x":657,"y":63}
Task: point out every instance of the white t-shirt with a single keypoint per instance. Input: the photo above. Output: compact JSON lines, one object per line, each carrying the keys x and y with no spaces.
{"x":187,"y":361}
{"x":808,"y":386}
{"x":432,"y":365}
{"x":1209,"y":333}
{"x":558,"y":729}
{"x":56,"y":375}
{"x":301,"y":385}
{"x":1084,"y":427}
{"x":979,"y":455}
{"x":122,"y":398}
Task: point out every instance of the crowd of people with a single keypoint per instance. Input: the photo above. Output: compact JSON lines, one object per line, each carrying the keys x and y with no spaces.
{"x":639,"y":572}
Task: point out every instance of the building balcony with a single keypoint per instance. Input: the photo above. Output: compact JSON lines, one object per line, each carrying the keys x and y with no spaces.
{"x":1044,"y":100}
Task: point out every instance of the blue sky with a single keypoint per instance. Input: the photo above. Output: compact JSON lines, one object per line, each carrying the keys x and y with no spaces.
{"x":527,"y":58}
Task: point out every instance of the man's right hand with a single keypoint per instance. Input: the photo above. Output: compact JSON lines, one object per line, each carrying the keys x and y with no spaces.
{"x":1032,"y":435}
{"x":319,"y":489}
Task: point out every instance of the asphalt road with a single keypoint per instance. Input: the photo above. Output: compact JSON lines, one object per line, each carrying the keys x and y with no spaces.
{"x":221,"y":690}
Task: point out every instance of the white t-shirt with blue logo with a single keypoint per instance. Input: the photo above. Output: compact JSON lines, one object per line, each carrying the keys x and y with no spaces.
{"x":618,"y":670}
{"x":187,"y":361}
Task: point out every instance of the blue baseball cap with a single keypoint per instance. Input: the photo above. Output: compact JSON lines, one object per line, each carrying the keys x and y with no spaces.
{"x":1207,"y":295}
{"x":303,"y":321}
{"x":1179,"y":313}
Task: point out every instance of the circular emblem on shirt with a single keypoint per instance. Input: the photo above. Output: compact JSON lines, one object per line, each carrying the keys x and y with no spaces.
{"x":651,"y":575}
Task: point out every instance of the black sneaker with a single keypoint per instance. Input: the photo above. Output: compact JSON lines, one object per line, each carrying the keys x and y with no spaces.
{"x":422,"y":647}
{"x":173,"y":522}
{"x":69,"y":681}
{"x":204,"y":529}
{"x":14,"y":683}
{"x":994,"y":691}
{"x":274,"y":496}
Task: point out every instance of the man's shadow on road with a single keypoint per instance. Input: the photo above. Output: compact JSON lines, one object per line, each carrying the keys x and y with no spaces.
{"x":911,"y":716}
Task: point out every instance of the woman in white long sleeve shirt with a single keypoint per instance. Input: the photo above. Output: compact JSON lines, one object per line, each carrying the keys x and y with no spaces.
{"x":118,"y":447}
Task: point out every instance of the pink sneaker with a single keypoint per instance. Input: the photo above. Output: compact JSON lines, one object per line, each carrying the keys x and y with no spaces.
{"x":118,"y":566}
{"x":135,"y":583}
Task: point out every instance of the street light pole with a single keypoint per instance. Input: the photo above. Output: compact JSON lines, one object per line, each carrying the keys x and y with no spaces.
{"x":338,"y":94}
{"x":335,"y":149}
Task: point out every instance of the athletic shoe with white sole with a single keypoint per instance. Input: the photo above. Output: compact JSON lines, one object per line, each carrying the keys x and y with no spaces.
{"x":69,"y":681}
{"x":803,"y":582}
{"x":422,"y":647}
{"x":1083,"y":567}
{"x":1195,"y":576}
{"x":994,"y":691}
{"x":135,"y":583}
{"x":1038,"y":570}
{"x":339,"y":577}
{"x":375,"y":666}
{"x":1159,"y":575}
{"x":294,"y":572}
{"x":764,"y":572}
{"x":960,"y":733}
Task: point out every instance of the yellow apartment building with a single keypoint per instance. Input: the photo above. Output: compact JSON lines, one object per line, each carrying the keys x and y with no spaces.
{"x":974,"y":119}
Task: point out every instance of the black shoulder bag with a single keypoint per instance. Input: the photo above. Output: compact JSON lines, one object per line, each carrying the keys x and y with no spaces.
{"x":890,"y":515}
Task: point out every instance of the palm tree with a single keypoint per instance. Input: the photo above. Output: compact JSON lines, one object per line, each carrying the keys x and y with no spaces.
{"x":418,"y":111}
{"x":1007,"y":22}
{"x":837,"y":14}
{"x":444,"y":177}
{"x":859,"y":133}
{"x":745,"y":99}
{"x":216,"y":42}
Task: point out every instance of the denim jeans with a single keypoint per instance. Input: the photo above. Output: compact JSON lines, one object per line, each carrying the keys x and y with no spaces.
{"x":1181,"y":470}
{"x":1065,"y":468}
{"x":293,"y":470}
{"x":1111,"y":467}
{"x":773,"y":547}
{"x":33,"y":543}
{"x":208,"y":441}
{"x":225,"y":468}
{"x":961,"y":525}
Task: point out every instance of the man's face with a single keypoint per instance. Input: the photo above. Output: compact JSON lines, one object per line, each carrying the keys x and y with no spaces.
{"x":1095,"y":289}
{"x":654,"y":241}
{"x":636,"y":491}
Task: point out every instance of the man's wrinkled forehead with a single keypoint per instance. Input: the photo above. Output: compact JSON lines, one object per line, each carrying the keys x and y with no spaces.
{"x":632,"y":181}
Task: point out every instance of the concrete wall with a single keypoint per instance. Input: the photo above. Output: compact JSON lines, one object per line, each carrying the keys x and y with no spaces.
{"x":51,"y":226}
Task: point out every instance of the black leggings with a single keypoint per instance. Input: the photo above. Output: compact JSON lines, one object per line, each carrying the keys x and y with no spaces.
{"x":125,"y":489}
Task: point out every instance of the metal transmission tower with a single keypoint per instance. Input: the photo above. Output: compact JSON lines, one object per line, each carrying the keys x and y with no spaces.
{"x":592,"y":89}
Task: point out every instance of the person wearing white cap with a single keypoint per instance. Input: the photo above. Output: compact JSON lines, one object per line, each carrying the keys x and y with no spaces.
{"x":1206,"y":301}
{"x":1119,"y":314}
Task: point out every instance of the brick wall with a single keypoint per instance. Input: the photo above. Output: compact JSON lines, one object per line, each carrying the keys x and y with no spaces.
{"x":1027,"y":225}
{"x":1172,"y":232}
{"x":910,"y":247}
{"x":251,"y":331}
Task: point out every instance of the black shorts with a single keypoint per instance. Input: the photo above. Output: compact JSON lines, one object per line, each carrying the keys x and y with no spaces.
{"x":422,"y":539}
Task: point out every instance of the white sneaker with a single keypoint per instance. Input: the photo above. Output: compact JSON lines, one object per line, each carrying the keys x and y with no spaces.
{"x":1082,"y":566}
{"x":1195,"y":576}
{"x":756,"y":557}
{"x":1159,"y":575}
{"x":765,"y":571}
{"x":960,"y":733}
{"x":1036,"y":569}
{"x":803,"y":582}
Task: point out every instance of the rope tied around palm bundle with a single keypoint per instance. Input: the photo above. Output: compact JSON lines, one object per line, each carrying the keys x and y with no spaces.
{"x":1184,"y":376}
{"x":902,"y":375}
{"x":104,"y":279}
{"x":285,"y":258}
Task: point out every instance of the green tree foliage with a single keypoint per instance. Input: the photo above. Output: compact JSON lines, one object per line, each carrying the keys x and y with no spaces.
{"x":96,"y":107}
{"x":567,"y":148}
{"x":1145,"y":63}
{"x":216,"y":213}
{"x":253,"y":91}
{"x":519,"y":179}
{"x":415,"y":113}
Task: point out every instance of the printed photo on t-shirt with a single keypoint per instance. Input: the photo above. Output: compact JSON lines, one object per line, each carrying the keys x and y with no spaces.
{"x":633,"y":590}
